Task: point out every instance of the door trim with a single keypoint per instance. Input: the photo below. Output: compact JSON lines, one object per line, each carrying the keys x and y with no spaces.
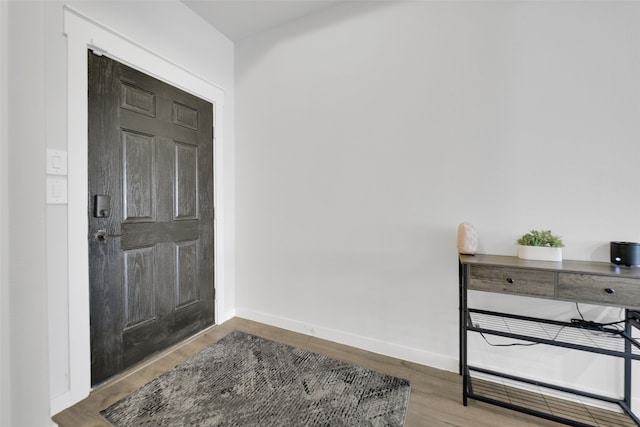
{"x":84,"y":33}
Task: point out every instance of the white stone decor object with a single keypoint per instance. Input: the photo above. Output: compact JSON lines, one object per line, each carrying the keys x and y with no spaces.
{"x":467,"y":239}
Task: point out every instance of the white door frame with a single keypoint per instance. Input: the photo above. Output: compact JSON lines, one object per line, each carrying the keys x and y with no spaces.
{"x":84,"y":33}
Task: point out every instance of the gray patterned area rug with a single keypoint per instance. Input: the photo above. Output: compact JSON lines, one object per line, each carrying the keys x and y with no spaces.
{"x":245,"y":380}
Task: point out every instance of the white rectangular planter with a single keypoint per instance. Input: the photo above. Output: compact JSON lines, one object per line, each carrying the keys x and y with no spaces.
{"x":540,"y":253}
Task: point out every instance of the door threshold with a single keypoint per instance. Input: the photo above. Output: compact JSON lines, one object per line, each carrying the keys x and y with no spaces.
{"x":151,"y":359}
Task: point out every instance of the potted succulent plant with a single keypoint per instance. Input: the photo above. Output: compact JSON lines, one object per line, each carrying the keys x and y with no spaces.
{"x":540,"y":245}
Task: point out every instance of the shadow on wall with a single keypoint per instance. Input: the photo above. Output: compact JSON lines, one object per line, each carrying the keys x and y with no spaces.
{"x":330,"y":16}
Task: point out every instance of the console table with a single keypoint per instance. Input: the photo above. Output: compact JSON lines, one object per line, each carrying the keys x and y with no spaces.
{"x":574,"y":281}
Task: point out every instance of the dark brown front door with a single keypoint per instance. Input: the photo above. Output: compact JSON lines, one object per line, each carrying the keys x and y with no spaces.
{"x":150,"y":215}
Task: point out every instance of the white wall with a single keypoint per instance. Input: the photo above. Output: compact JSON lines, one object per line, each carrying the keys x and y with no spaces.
{"x":55,"y":122}
{"x":38,"y":296}
{"x":366,"y":133}
{"x":5,"y":368}
{"x":27,"y":293}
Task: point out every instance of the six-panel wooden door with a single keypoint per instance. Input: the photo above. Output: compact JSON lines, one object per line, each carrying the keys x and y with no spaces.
{"x":151,"y":214}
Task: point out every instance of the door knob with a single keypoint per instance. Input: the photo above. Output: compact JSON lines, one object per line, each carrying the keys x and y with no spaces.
{"x":102,"y":235}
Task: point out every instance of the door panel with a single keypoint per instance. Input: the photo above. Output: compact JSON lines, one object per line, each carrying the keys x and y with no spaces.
{"x":139,"y":285}
{"x":186,"y":185}
{"x":151,"y":278}
{"x":138,"y":152}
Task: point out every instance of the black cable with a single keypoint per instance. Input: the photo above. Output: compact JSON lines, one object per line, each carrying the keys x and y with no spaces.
{"x":581,"y":323}
{"x":597,"y":326}
{"x":520,"y":344}
{"x":579,"y":312}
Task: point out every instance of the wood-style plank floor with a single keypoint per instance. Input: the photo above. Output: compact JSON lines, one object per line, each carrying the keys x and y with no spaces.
{"x":436,"y":396}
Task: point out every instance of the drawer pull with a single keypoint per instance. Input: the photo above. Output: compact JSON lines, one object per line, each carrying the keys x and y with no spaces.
{"x":510,"y":281}
{"x":610,"y":290}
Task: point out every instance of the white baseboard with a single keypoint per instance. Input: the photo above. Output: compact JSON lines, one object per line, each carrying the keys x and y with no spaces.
{"x":223,"y":317}
{"x":365,"y":343}
{"x":60,"y":403}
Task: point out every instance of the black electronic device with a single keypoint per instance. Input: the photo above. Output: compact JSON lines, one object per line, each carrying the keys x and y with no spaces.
{"x":101,"y":206}
{"x":625,"y":253}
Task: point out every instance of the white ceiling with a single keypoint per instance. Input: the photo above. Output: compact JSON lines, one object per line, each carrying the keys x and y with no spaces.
{"x":238,"y":19}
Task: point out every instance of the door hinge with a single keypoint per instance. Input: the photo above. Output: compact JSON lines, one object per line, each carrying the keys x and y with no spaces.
{"x":98,"y":52}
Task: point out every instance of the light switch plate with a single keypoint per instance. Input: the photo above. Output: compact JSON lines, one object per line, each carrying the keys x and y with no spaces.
{"x":56,"y":190}
{"x":56,"y":162}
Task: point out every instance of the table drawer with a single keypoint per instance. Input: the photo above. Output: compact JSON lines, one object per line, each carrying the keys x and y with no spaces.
{"x":614,"y":291}
{"x":512,"y":280}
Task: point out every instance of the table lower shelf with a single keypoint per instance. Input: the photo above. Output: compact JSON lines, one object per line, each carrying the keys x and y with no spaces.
{"x":493,"y":389}
{"x":559,"y":334}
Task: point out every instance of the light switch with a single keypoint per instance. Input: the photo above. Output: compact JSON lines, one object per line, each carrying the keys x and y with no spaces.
{"x":56,"y":190}
{"x":56,"y":162}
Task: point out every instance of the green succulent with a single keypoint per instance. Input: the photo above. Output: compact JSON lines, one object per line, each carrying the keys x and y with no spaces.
{"x":540,"y":238}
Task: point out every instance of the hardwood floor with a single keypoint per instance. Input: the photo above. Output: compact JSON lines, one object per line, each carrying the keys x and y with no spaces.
{"x":436,"y":396}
